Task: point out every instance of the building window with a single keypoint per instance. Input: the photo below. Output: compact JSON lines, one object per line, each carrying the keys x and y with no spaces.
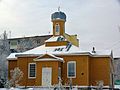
{"x":13,"y":44}
{"x":57,"y":29}
{"x":71,"y":69}
{"x":59,"y":72}
{"x":32,"y":70}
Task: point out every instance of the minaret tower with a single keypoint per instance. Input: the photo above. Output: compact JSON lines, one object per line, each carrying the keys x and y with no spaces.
{"x":58,"y":19}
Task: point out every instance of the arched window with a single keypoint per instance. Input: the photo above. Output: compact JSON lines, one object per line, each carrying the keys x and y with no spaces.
{"x":57,"y":29}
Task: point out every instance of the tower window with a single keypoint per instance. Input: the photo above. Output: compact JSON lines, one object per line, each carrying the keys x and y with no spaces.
{"x":57,"y":29}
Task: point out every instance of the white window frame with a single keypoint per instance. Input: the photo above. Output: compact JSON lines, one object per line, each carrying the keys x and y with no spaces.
{"x":29,"y":71}
{"x":74,"y":68}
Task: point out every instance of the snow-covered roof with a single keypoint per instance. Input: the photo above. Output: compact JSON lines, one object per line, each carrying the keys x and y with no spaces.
{"x":53,"y":50}
{"x":101,"y":53}
{"x":59,"y":50}
{"x":54,"y":38}
{"x":51,"y":58}
{"x":12,"y":56}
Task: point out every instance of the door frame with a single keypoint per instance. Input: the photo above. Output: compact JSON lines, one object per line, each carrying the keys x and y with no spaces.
{"x":50,"y":76}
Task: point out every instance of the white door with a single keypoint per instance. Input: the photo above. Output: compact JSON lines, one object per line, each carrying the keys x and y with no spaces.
{"x":46,"y":76}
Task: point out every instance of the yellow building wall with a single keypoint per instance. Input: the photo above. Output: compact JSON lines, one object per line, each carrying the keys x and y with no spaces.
{"x":49,"y":64}
{"x":61,"y":24}
{"x":89,"y":70}
{"x":11,"y":65}
{"x":23,"y":63}
{"x":60,"y":43}
{"x":100,"y":70}
{"x":82,"y":66}
{"x":72,"y":38}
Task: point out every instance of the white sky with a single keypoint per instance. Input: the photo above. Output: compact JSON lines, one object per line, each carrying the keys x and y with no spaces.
{"x":95,"y":22}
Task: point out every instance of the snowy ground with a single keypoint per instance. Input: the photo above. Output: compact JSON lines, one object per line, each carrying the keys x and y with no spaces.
{"x":31,"y":89}
{"x":39,"y":89}
{"x":47,"y":88}
{"x":26,"y":89}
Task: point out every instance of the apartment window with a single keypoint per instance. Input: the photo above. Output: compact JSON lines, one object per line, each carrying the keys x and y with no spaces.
{"x":71,"y":69}
{"x":13,"y":44}
{"x":32,"y":70}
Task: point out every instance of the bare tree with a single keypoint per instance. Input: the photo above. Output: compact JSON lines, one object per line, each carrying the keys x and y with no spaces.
{"x":4,"y":52}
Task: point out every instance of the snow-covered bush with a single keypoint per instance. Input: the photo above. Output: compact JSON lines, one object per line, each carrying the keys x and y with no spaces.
{"x":16,"y":76}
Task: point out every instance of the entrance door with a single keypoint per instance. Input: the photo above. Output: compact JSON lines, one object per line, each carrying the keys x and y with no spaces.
{"x":46,"y":76}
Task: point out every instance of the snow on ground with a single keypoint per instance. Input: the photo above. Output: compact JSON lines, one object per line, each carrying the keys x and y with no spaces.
{"x":50,"y":88}
{"x":26,"y":89}
{"x":31,"y":89}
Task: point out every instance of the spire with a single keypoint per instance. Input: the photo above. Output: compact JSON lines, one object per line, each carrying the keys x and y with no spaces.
{"x":59,"y":9}
{"x":59,"y":5}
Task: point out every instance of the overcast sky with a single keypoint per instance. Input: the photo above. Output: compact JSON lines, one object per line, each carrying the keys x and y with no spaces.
{"x":96,"y":22}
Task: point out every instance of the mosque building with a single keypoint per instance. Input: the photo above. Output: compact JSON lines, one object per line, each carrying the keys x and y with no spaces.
{"x":61,"y":57}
